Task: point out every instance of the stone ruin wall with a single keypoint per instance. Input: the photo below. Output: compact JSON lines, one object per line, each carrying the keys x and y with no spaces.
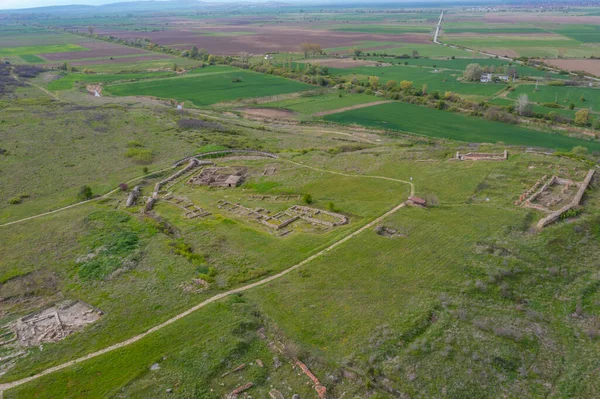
{"x":574,"y":202}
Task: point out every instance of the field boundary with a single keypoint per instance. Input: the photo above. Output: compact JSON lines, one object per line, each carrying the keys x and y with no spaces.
{"x":351,"y":107}
{"x":13,"y":384}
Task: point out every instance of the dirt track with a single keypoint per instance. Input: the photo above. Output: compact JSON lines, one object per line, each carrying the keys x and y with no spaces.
{"x":357,"y":106}
{"x":9,"y":385}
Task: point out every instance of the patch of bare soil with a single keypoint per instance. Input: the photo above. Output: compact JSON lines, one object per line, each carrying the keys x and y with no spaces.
{"x":541,"y":18}
{"x":341,"y":62}
{"x":269,"y":113}
{"x":55,"y":323}
{"x":357,"y":106}
{"x":587,"y":65}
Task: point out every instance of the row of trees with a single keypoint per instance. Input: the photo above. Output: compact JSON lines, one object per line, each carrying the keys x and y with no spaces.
{"x":310,"y":49}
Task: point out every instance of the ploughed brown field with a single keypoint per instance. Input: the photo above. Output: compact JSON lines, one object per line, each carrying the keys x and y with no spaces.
{"x":96,"y":50}
{"x":587,"y":65}
{"x":259,"y":39}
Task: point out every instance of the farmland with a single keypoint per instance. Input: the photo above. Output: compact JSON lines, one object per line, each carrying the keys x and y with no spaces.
{"x":204,"y":200}
{"x":414,"y":119}
{"x":216,"y":85}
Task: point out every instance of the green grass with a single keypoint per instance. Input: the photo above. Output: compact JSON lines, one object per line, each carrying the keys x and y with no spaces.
{"x":564,"y":95}
{"x":395,"y":48}
{"x":429,"y":122}
{"x":68,"y":81}
{"x":327,"y":102}
{"x":206,"y":90}
{"x":52,"y":48}
{"x":389,"y":29}
{"x":34,"y":59}
{"x":441,"y":81}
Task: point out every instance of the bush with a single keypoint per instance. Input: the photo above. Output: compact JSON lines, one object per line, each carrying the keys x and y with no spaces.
{"x":15,"y":200}
{"x":551,"y":105}
{"x":134,"y":144}
{"x":331,"y":207}
{"x":85,"y":193}
{"x":140,"y":155}
{"x":307,"y":199}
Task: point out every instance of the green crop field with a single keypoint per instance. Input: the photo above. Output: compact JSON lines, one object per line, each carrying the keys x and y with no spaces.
{"x":68,"y":81}
{"x":34,"y":59}
{"x":441,"y":81}
{"x":582,"y":97}
{"x":428,"y":122}
{"x":51,"y":48}
{"x":327,"y":102}
{"x":210,"y":88}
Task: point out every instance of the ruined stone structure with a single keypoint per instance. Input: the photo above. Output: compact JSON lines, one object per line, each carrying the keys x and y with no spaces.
{"x":574,"y":202}
{"x":280,"y":220}
{"x":234,"y":394}
{"x":531,"y":190}
{"x":224,"y":152}
{"x":482,"y":156}
{"x":53,"y":324}
{"x":190,"y":209}
{"x":416,"y":201}
{"x":219,"y":177}
{"x":275,"y":198}
{"x":133,"y":196}
{"x":321,"y":390}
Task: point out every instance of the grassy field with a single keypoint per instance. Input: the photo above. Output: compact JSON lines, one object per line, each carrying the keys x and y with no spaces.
{"x":442,"y":80}
{"x":395,"y":48}
{"x":313,"y":104}
{"x":51,"y":48}
{"x":68,"y":81}
{"x":429,"y":122}
{"x":582,"y":97}
{"x":213,"y":85}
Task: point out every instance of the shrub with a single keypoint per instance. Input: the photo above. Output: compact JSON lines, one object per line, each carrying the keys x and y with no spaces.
{"x":85,"y":193}
{"x":551,"y":105}
{"x":307,"y":199}
{"x":139,"y":155}
{"x":236,"y":80}
{"x":15,"y":200}
{"x":331,"y":207}
{"x":134,"y":144}
{"x":123,"y":186}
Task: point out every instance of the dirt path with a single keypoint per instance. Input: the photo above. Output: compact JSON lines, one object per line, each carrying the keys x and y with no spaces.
{"x":80,"y":203}
{"x":47,"y":92}
{"x":340,"y":133}
{"x":9,"y":385}
{"x":357,"y":106}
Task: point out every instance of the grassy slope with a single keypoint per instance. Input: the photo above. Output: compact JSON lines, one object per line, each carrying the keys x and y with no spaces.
{"x":564,"y":94}
{"x":68,"y":81}
{"x":429,"y":122}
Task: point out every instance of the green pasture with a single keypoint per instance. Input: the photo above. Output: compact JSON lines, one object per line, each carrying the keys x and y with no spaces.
{"x":211,"y":89}
{"x":51,"y":48}
{"x":399,"y":48}
{"x":441,"y":81}
{"x":327,"y":102}
{"x":387,"y":28}
{"x":536,"y":107}
{"x":125,"y":65}
{"x":582,"y":97}
{"x":31,"y":58}
{"x":68,"y":81}
{"x":424,"y":121}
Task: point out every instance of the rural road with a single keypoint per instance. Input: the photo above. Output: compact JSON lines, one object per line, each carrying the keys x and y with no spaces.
{"x":13,"y":384}
{"x":500,"y":57}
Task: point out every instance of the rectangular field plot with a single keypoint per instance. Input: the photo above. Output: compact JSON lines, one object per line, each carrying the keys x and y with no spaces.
{"x":327,"y":102}
{"x":52,"y":48}
{"x":68,"y":81}
{"x":208,"y":88}
{"x":582,"y":97}
{"x":429,"y":122}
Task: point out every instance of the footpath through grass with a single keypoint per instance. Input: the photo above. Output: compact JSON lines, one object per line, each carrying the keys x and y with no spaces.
{"x":411,"y":118}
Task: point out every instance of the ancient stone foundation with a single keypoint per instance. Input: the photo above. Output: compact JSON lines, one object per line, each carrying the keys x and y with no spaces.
{"x":574,"y":202}
{"x":482,"y":156}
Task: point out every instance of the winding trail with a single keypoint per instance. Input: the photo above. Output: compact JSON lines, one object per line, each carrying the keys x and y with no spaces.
{"x":13,"y":384}
{"x":80,"y":203}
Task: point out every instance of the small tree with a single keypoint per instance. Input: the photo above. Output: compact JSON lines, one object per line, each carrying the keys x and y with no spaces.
{"x":391,"y":84}
{"x":194,"y":52}
{"x":424,"y":89}
{"x":580,"y":150}
{"x":473,"y":72}
{"x":91,"y":30}
{"x":406,"y":85}
{"x":145,"y":170}
{"x":374,"y":82}
{"x":415,"y":54}
{"x":85,"y":193}
{"x":582,"y":117}
{"x":175,"y":67}
{"x":524,"y":107}
{"x":307,"y":199}
{"x":571,"y":106}
{"x":356,"y":51}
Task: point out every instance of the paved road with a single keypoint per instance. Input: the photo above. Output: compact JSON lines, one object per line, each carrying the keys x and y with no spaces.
{"x":9,"y":385}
